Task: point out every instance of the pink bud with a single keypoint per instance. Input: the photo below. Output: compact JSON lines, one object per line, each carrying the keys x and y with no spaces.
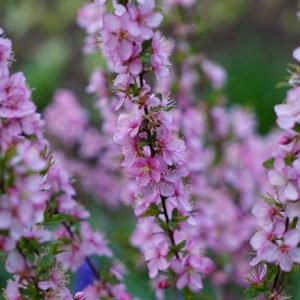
{"x":284,"y":140}
{"x":80,"y":296}
{"x":164,"y":284}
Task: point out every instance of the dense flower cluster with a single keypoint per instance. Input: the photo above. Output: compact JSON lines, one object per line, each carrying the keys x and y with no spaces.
{"x":35,"y":192}
{"x":93,"y":157}
{"x":154,"y":154}
{"x":224,"y":156}
{"x":222,"y":144}
{"x":277,"y":239}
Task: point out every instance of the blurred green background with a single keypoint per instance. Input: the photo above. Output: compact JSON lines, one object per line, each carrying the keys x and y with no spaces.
{"x":252,"y":39}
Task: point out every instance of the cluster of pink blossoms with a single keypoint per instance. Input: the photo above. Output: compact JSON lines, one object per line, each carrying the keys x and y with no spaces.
{"x":154,"y":154}
{"x":93,"y":157}
{"x":277,"y":238}
{"x":35,"y":192}
{"x":224,"y":155}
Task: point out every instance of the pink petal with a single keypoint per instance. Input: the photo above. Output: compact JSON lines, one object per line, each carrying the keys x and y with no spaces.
{"x":290,"y":192}
{"x":292,"y":238}
{"x":111,"y":23}
{"x":135,"y":67}
{"x":125,"y":49}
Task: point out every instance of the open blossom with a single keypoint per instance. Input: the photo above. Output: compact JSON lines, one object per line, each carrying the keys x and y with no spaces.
{"x":15,"y":263}
{"x":285,"y":253}
{"x":12,"y":290}
{"x":15,"y":97}
{"x":128,"y":124}
{"x":161,"y":50}
{"x":146,"y":170}
{"x":156,"y":256}
{"x":143,"y":19}
{"x":289,"y":113}
{"x":90,"y":16}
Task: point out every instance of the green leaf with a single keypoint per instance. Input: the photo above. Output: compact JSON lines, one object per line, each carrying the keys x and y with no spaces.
{"x":56,"y":218}
{"x":46,"y":262}
{"x":162,"y":224}
{"x":252,"y":293}
{"x":297,"y":127}
{"x":269,"y":164}
{"x":172,"y":225}
{"x":152,"y":211}
{"x":180,"y":246}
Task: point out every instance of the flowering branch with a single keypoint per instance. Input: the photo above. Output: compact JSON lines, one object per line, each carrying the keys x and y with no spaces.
{"x":277,"y":239}
{"x":153,"y":152}
{"x":36,"y":193}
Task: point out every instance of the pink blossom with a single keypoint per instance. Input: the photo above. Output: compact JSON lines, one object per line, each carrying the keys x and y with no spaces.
{"x":15,"y":97}
{"x":15,"y":263}
{"x":156,"y":256}
{"x":74,"y":117}
{"x":146,"y":170}
{"x":12,"y":290}
{"x":128,"y":125}
{"x":288,"y":115}
{"x":90,"y":16}
{"x":143,"y":19}
{"x":161,"y":50}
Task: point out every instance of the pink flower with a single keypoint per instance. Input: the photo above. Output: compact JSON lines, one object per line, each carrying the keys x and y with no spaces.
{"x":187,"y":276}
{"x":161,"y":50}
{"x":128,"y":125}
{"x":172,"y":147}
{"x":90,"y":16}
{"x":74,"y":117}
{"x":257,"y":276}
{"x":146,"y":170}
{"x":12,"y":290}
{"x":288,"y":115}
{"x":15,"y":97}
{"x":143,"y":19}
{"x":15,"y":263}
{"x":156,"y":256}
{"x":285,"y":253}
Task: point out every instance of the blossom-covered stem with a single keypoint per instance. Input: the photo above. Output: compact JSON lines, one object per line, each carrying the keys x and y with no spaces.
{"x":163,"y":199}
{"x":277,"y":239}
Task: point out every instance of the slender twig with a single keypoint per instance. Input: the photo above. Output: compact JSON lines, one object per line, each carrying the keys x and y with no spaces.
{"x":163,"y":199}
